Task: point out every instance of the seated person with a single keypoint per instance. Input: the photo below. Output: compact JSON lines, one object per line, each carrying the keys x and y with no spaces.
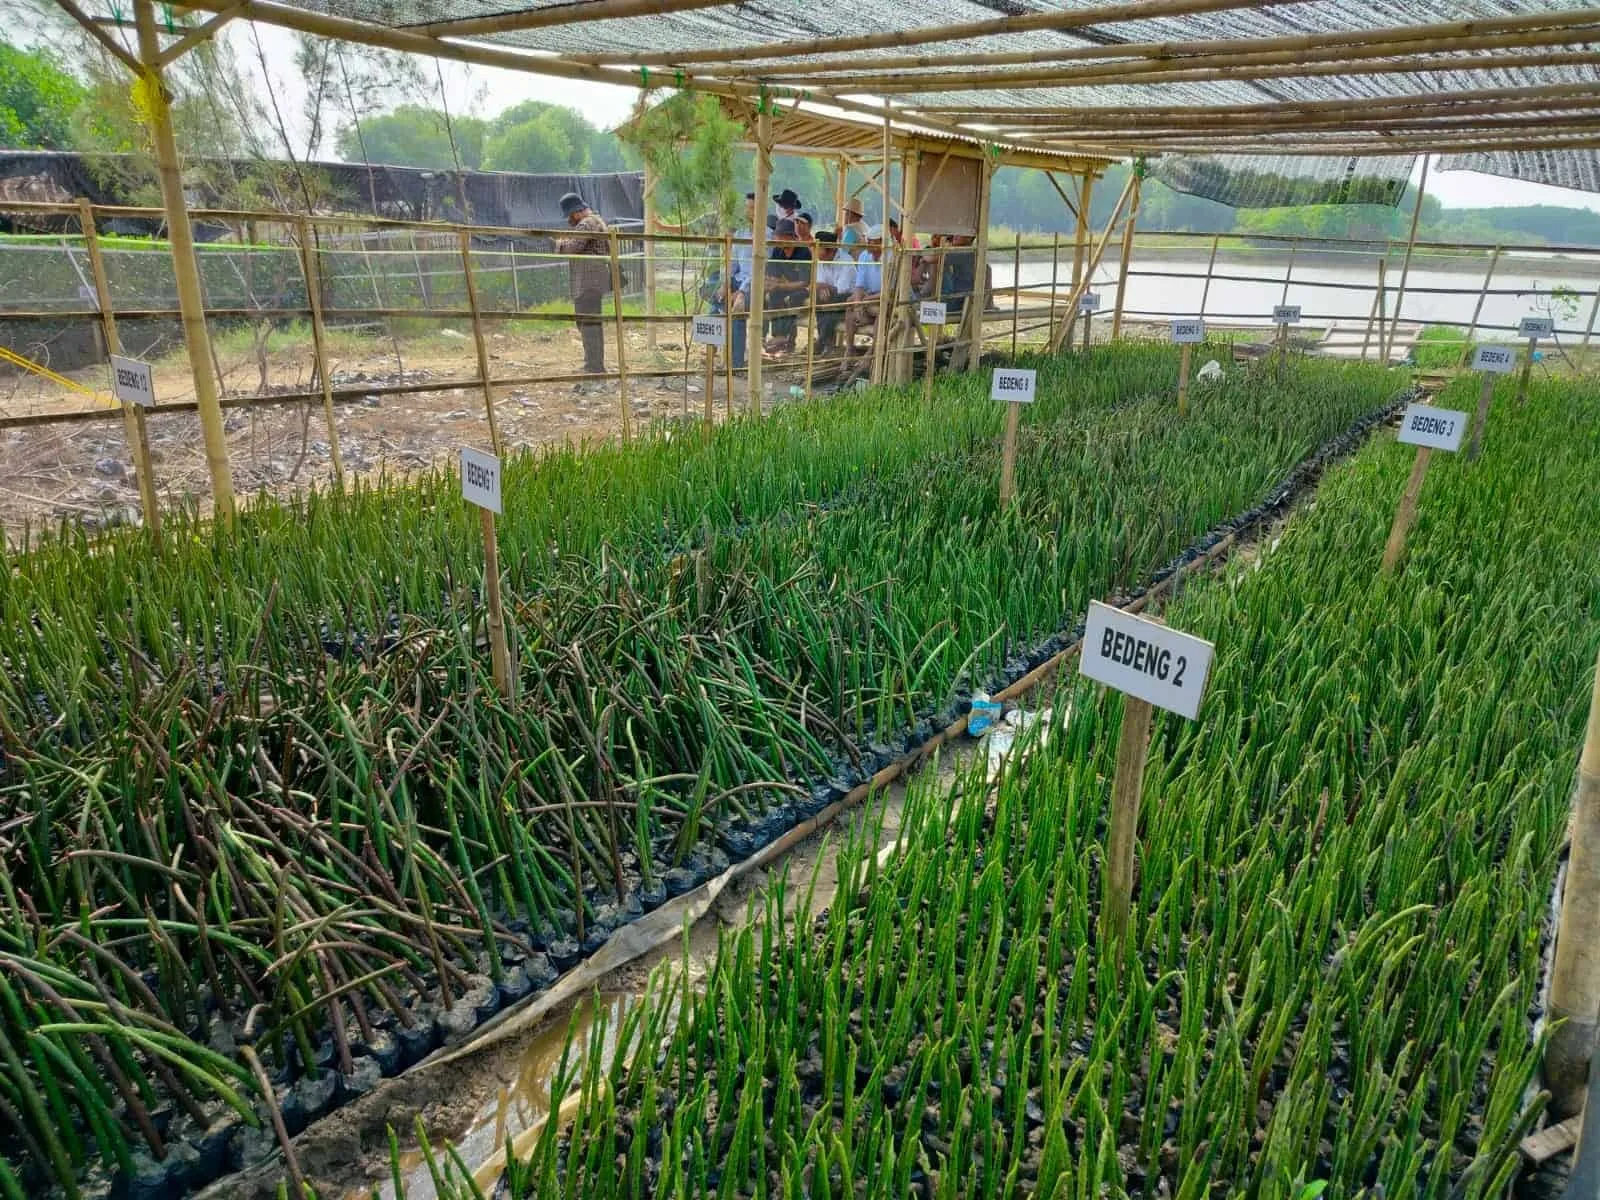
{"x":863,"y":310}
{"x":960,"y":273}
{"x":788,"y":285}
{"x":836,"y":279}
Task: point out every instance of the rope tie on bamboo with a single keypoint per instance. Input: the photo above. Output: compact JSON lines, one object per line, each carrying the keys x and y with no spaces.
{"x":644,"y":78}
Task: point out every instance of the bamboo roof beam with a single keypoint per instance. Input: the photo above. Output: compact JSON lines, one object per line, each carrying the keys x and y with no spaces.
{"x":1128,"y":10}
{"x":1270,"y":140}
{"x":1376,"y":148}
{"x":1201,"y":129}
{"x":515,"y":20}
{"x":197,"y":34}
{"x":1355,"y":114}
{"x":107,"y":42}
{"x":1398,"y":57}
{"x":1579,"y":24}
{"x":1016,"y":113}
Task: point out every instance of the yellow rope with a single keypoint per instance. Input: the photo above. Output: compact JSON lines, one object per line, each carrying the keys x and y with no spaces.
{"x":27,"y":364}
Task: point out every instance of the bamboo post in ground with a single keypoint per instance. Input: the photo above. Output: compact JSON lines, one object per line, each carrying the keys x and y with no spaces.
{"x":1183,"y":379}
{"x":622,"y":347}
{"x":1588,"y":330}
{"x":811,"y":324}
{"x":932,"y":333}
{"x":1127,"y":257}
{"x":1527,"y":369}
{"x":499,"y":652}
{"x":1575,"y":981}
{"x":711,"y":381}
{"x":1008,"y":456}
{"x":1405,"y":264}
{"x":1092,"y":263}
{"x":727,"y":312}
{"x":880,"y":335}
{"x":1394,"y":549}
{"x":1477,"y":309}
{"x":1211,"y":265}
{"x":969,"y":334}
{"x":1378,"y":312}
{"x":310,"y":268}
{"x":1485,"y":398}
{"x":755,"y":343}
{"x":1294,"y":248}
{"x":133,"y":422}
{"x":185,"y":269}
{"x":649,"y":259}
{"x":1055,"y":271}
{"x":482,"y":347}
{"x":898,"y":367}
{"x":1133,"y":747}
{"x":1080,"y":245}
{"x":1016,"y":291}
{"x":839,"y":185}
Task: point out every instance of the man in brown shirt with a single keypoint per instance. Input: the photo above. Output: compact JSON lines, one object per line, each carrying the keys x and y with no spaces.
{"x":591,"y":277}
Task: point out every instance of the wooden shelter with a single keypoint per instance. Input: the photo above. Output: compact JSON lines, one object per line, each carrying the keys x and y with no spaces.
{"x":1513,"y":83}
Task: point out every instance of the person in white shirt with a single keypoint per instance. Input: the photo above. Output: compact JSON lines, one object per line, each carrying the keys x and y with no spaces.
{"x":863,"y":310}
{"x":836,"y":279}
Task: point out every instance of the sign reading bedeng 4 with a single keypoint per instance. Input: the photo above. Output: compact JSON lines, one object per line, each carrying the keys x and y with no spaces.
{"x":480,"y":479}
{"x":1497,"y":360}
{"x":1013,"y":385}
{"x":1145,"y":658}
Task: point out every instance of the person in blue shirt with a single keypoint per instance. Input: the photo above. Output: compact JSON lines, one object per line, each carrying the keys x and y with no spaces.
{"x":863,"y":310}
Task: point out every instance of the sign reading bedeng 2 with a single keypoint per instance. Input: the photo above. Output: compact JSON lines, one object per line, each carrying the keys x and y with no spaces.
{"x":1146,"y":659}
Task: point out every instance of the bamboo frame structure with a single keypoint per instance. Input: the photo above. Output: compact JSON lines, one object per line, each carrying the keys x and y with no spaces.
{"x":625,"y":408}
{"x":479,"y":344}
{"x":1405,"y":266}
{"x":319,"y":339}
{"x":1127,"y":257}
{"x":755,"y":337}
{"x":1477,"y":309}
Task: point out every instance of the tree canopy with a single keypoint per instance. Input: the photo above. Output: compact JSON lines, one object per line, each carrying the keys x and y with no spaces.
{"x":38,"y":99}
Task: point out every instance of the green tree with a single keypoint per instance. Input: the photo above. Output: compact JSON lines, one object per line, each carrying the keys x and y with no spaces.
{"x":687,"y":143}
{"x":37,"y":100}
{"x":415,"y":136}
{"x":540,"y":144}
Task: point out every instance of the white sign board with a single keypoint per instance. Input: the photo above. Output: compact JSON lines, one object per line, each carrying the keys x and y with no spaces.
{"x":480,"y":479}
{"x":1286,"y":314}
{"x":1532,"y":327}
{"x":131,"y":381}
{"x":1188,"y":332}
{"x":931,"y":312}
{"x":1146,"y":659}
{"x":709,"y":331}
{"x":1440,"y":428}
{"x":1013,"y":385}
{"x":1089,"y":303}
{"x":1497,"y":360}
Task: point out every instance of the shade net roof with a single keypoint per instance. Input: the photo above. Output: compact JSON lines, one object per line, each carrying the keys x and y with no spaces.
{"x":1066,"y":80}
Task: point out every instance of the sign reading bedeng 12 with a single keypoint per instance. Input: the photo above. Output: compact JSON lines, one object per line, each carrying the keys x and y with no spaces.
{"x":1088,"y":303}
{"x":931,"y":312}
{"x":480,"y":479}
{"x":1497,"y":360}
{"x":1286,"y":314}
{"x":1145,"y":658}
{"x":1013,"y":385}
{"x":1188,"y":332}
{"x":1438,"y":428}
{"x":710,"y":331}
{"x":132,"y":382}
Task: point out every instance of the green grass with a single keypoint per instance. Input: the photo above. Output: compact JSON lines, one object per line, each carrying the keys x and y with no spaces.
{"x":1440,"y":347}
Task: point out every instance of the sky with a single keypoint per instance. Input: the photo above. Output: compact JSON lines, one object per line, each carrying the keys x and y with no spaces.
{"x":484,"y":91}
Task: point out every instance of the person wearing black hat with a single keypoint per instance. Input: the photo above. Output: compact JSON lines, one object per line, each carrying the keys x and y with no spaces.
{"x":788,"y":204}
{"x":788,"y":285}
{"x":591,"y":277}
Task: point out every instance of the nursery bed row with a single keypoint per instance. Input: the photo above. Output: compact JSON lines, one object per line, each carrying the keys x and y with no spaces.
{"x":1336,"y":931}
{"x":209,"y":894}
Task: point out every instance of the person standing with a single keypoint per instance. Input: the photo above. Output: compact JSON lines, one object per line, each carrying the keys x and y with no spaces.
{"x":591,"y":277}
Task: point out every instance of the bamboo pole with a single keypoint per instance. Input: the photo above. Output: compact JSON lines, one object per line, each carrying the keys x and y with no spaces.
{"x":1405,"y":265}
{"x":521,"y":19}
{"x":1093,"y":261}
{"x":650,"y":182}
{"x":880,"y":336}
{"x":1080,"y":239}
{"x":1527,"y":369}
{"x":1588,"y":330}
{"x":499,"y":652}
{"x":133,"y":419}
{"x":1127,"y":257}
{"x":1211,"y":264}
{"x":319,"y":343}
{"x":1184,"y":360}
{"x":1477,"y":309}
{"x":1008,"y":456}
{"x":935,"y":332}
{"x":479,"y":344}
{"x":1560,"y":28}
{"x":811,"y":323}
{"x":969,"y":347}
{"x":622,"y":345}
{"x":1377,"y":309}
{"x":899,"y":368}
{"x":1294,"y":248}
{"x":185,"y":268}
{"x":1016,"y":292}
{"x":727,"y":312}
{"x":1406,"y":513}
{"x":711,"y":382}
{"x":1575,"y":980}
{"x":1133,"y":747}
{"x":1055,"y":272}
{"x":839,"y":184}
{"x":755,"y":341}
